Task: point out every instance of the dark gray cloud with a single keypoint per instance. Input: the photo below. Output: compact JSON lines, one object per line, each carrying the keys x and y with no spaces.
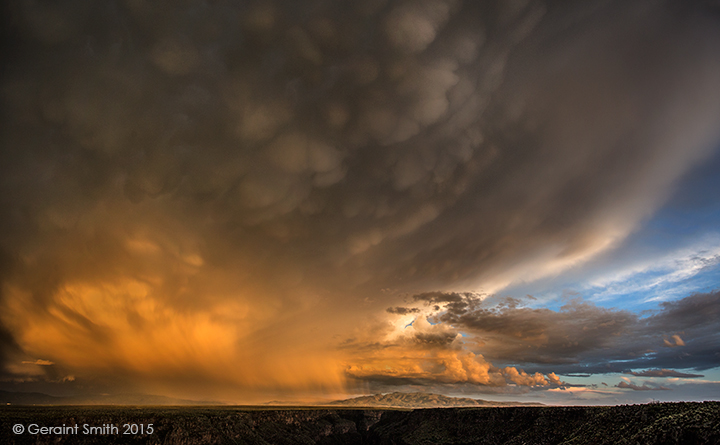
{"x":582,"y":338}
{"x":276,"y":161}
{"x":442,"y":297}
{"x":644,"y":387}
{"x":664,"y":373}
{"x":429,"y":355}
{"x":399,"y":310}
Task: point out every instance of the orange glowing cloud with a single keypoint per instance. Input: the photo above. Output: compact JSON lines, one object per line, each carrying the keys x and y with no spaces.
{"x":406,"y":348}
{"x":126,"y":328}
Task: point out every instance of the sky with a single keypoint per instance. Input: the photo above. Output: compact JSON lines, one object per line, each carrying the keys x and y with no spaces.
{"x":245,"y":201}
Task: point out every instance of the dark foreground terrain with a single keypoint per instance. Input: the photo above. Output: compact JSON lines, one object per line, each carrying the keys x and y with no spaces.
{"x":664,"y":423}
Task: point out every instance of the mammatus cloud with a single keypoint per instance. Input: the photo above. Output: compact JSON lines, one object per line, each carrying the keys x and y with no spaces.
{"x":186,"y":188}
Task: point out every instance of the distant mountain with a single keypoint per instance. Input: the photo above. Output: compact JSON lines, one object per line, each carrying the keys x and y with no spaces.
{"x":30,"y":398}
{"x":420,"y":400}
{"x":36,"y":398}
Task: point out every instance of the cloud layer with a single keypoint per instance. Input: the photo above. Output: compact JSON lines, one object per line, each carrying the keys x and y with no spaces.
{"x":186,"y":188}
{"x":452,"y":337}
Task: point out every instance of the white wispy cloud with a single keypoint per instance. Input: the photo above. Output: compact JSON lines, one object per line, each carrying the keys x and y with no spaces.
{"x":654,"y":275}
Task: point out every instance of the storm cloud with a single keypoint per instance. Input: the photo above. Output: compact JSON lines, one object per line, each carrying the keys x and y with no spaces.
{"x":581,"y":337}
{"x":188,"y":186}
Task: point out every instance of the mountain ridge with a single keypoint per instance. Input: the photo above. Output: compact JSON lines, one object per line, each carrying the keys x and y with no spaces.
{"x":422,"y":400}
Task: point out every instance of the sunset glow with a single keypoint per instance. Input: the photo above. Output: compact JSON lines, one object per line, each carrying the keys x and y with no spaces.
{"x":272,"y":200}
